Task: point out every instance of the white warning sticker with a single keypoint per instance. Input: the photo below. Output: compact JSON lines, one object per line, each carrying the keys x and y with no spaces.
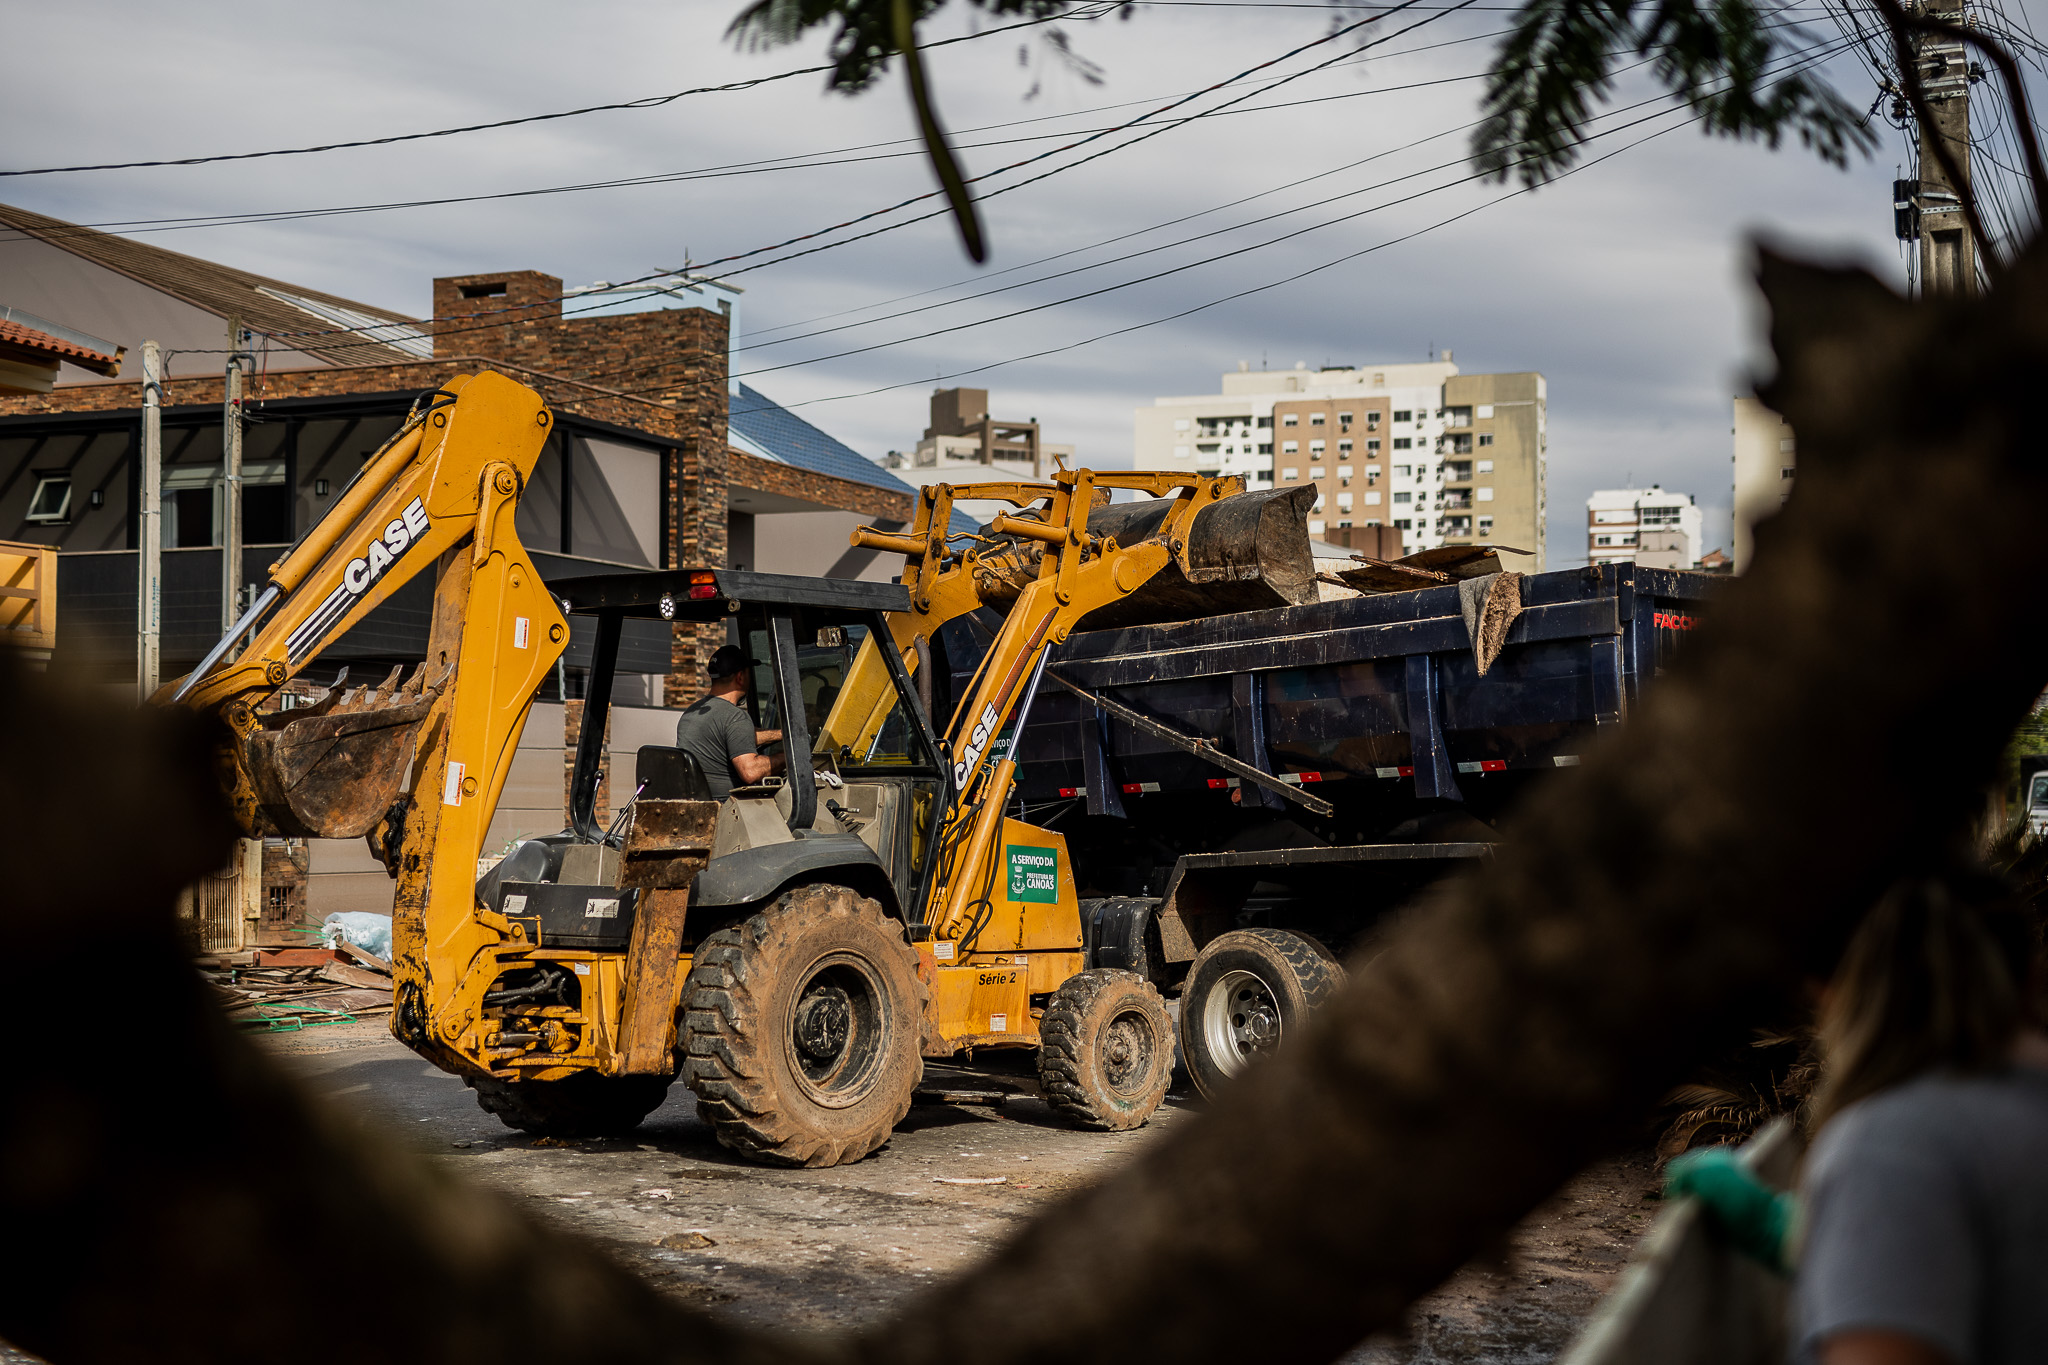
{"x":521,"y":627}
{"x":451,"y":793}
{"x":942,"y":952}
{"x":601,"y":909}
{"x":515,"y":905}
{"x":999,"y":1023}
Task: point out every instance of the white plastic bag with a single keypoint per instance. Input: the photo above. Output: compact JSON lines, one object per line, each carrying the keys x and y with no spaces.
{"x":371,"y":933}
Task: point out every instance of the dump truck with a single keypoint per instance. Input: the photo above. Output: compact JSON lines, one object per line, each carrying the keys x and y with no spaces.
{"x":794,"y":952}
{"x":1247,"y":797}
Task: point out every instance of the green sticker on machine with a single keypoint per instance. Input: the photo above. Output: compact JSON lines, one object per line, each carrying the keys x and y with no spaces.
{"x":1034,"y":873}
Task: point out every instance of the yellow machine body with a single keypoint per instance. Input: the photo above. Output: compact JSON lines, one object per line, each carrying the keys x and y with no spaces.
{"x":417,"y":766}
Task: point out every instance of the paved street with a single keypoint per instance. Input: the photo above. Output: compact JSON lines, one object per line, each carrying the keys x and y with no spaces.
{"x":804,"y":1249}
{"x":831,"y":1248}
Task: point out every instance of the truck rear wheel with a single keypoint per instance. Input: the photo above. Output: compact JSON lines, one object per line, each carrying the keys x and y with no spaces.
{"x":803,"y":1037}
{"x":585,"y":1105}
{"x":1105,"y":1050}
{"x":1245,"y":991}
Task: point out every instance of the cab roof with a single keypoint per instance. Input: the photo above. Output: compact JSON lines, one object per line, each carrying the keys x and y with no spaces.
{"x":643,"y":594}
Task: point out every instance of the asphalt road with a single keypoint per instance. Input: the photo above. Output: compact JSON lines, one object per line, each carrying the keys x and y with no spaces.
{"x":827,"y":1249}
{"x":793,"y":1248}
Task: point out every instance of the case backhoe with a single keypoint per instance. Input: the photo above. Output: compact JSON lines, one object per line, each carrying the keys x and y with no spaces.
{"x":794,"y":951}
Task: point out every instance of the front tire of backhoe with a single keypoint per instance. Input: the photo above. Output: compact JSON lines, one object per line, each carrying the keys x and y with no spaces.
{"x":585,"y":1105}
{"x":804,"y":1029}
{"x":1105,"y":1050}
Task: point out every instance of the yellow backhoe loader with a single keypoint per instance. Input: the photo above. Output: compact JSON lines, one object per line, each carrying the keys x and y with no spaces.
{"x":795,"y":951}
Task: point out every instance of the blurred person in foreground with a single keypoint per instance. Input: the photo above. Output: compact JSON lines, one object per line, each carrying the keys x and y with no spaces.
{"x":1925,"y":1195}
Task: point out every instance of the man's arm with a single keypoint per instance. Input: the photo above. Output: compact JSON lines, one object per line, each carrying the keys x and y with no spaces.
{"x":753,"y":767}
{"x":747,"y":762}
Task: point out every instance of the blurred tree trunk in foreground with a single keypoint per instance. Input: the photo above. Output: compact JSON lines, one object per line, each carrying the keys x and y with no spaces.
{"x":1830,"y":728}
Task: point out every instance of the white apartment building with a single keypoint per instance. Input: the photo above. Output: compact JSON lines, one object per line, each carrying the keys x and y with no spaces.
{"x":1646,"y":526}
{"x":1445,"y":458}
{"x":1766,"y":458}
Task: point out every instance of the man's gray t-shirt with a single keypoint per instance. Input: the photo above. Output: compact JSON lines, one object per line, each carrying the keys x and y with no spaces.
{"x":713,"y":731}
{"x":1927,"y":1213}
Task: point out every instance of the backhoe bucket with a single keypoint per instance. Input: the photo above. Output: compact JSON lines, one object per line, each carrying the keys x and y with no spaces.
{"x":1245,"y":552}
{"x":332,"y":770}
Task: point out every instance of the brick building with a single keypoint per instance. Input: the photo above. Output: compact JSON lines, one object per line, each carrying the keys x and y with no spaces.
{"x":652,"y":461}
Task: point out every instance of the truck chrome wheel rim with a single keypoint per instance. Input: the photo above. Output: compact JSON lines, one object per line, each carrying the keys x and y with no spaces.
{"x":1128,"y":1046}
{"x":837,"y":1027}
{"x":1240,"y":1021}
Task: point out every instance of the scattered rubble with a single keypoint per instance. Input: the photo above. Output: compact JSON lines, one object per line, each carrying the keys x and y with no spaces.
{"x":279,"y":989}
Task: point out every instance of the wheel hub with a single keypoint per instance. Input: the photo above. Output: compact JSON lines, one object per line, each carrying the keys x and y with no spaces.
{"x":1126,"y":1049}
{"x":1240,"y":1021}
{"x":837,"y":1030}
{"x":824,"y":1018}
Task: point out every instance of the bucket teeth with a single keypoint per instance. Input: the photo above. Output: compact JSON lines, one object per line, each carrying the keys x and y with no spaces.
{"x":331,"y":770}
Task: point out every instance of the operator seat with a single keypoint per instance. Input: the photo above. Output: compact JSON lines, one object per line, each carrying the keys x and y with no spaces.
{"x":666,"y":774}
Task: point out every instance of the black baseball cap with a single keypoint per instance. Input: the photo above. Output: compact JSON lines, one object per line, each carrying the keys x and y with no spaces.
{"x":728,"y":660}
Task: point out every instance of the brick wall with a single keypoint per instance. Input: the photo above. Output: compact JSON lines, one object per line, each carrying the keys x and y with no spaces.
{"x":490,"y":314}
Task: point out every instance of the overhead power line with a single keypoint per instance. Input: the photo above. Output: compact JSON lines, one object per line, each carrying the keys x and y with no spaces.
{"x":1258,"y":288}
{"x":910,"y":147}
{"x":1088,"y":11}
{"x":697,"y":268}
{"x":1793,"y":61}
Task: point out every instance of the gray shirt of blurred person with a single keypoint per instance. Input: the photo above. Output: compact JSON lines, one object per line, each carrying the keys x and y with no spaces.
{"x":720,"y":735}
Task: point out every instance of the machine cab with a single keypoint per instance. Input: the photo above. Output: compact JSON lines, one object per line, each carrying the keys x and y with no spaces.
{"x":861,"y":791}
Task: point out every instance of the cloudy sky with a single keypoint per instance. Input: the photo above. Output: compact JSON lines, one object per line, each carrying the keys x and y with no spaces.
{"x":1624,"y":284}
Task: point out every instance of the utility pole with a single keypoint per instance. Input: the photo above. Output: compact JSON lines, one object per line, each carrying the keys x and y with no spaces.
{"x":1929,"y":207}
{"x":231,"y":484}
{"x":149,"y":531}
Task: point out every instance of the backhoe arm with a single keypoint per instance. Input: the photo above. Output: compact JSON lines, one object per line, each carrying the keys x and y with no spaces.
{"x":440,"y":495}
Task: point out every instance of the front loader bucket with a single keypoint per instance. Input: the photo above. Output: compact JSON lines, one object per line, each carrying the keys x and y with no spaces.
{"x":1246,"y":552}
{"x":331,"y":771}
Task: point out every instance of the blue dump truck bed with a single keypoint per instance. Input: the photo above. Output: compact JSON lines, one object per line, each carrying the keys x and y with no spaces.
{"x":1374,"y":704}
{"x":1376,"y":701}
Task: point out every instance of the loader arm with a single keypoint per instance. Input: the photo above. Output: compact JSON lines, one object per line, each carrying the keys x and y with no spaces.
{"x":1077,"y":573}
{"x":441,"y":497}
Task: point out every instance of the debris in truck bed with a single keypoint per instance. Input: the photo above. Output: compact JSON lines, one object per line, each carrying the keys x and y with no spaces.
{"x":1423,"y":569}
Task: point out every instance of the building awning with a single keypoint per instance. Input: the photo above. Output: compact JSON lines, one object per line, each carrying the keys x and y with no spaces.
{"x":32,"y":349}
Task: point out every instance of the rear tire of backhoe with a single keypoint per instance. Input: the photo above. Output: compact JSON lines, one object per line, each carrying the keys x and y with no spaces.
{"x":804,"y":1031}
{"x":1105,"y":1050}
{"x":585,"y":1105}
{"x":1245,"y":992}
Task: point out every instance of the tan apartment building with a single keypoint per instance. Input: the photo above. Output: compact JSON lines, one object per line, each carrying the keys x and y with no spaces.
{"x":1445,"y":458}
